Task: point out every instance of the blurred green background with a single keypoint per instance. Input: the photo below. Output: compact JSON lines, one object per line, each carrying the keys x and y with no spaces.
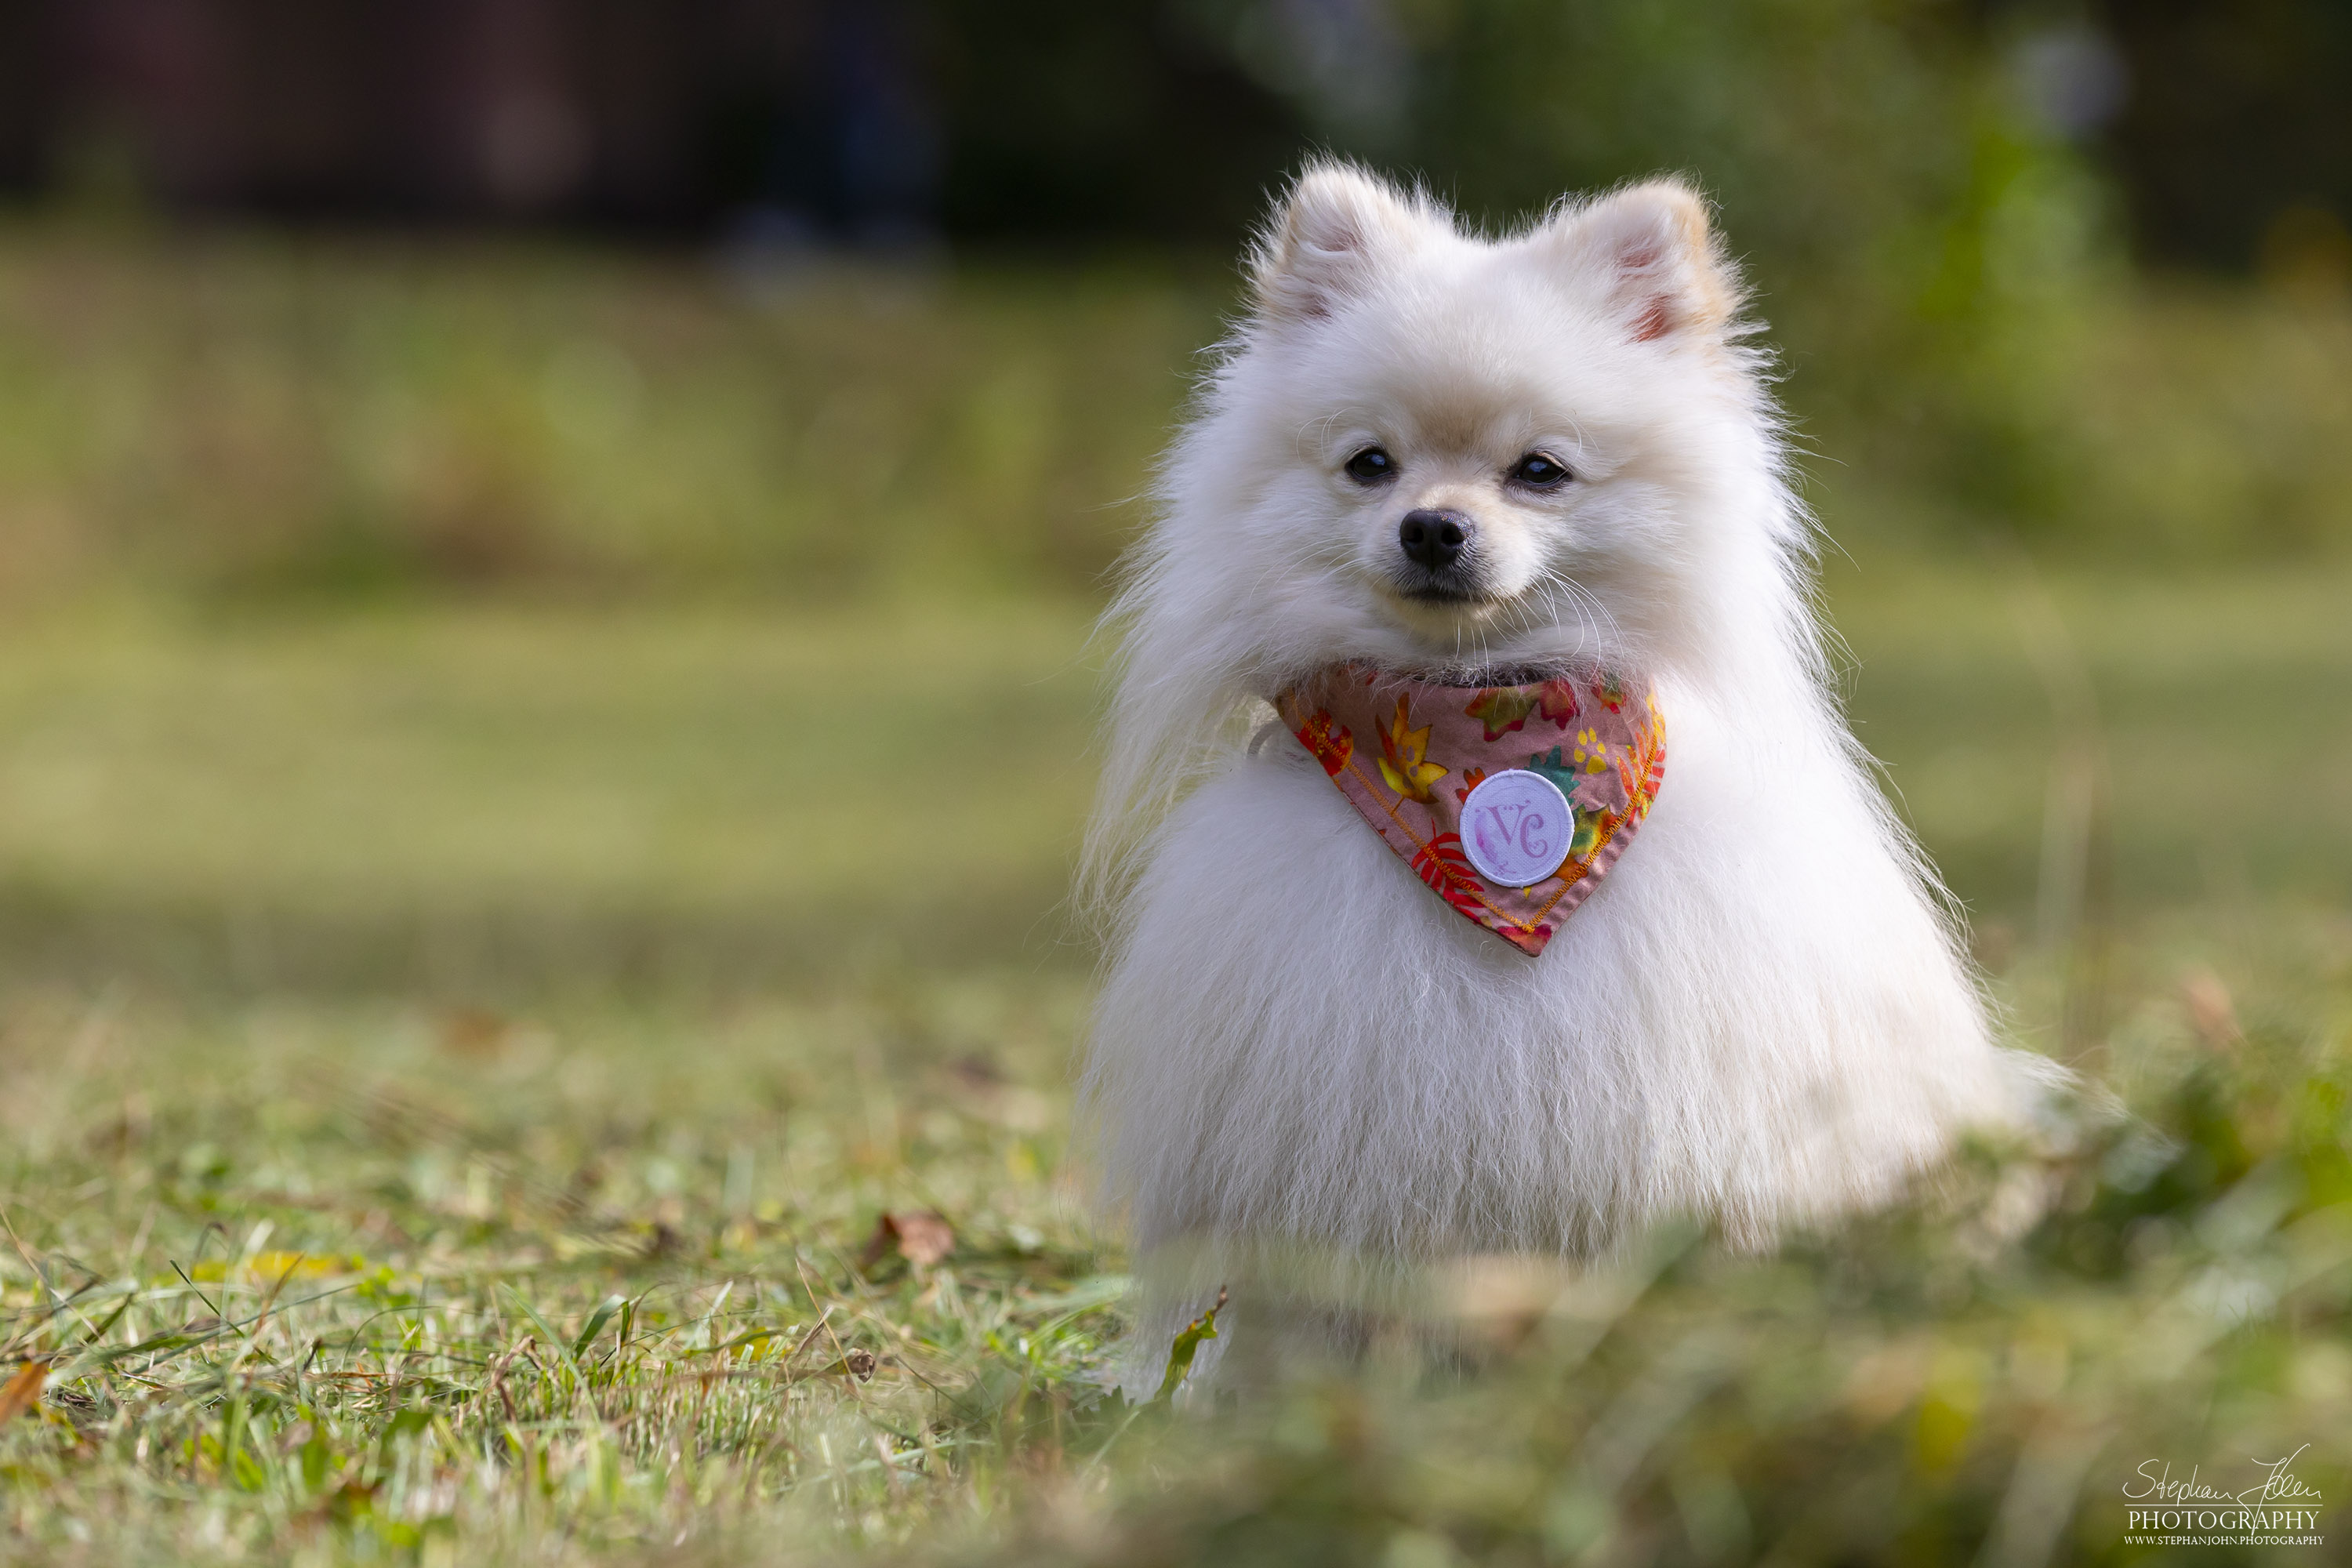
{"x":562,"y":557}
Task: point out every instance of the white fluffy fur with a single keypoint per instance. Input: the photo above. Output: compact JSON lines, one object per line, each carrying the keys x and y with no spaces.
{"x":1760,"y":1018}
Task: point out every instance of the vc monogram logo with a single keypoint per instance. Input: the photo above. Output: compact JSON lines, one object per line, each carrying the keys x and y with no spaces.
{"x":1529,"y":835}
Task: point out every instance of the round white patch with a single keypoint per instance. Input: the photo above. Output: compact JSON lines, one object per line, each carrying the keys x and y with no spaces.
{"x":1517,"y":828}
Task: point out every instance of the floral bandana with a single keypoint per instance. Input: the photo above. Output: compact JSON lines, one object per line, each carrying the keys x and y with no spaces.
{"x":1407,"y":755}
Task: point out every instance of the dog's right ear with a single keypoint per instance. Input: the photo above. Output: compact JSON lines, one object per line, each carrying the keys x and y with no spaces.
{"x":1329,"y":239}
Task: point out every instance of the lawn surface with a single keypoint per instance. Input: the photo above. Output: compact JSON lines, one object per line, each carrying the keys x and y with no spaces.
{"x":457,"y":1058}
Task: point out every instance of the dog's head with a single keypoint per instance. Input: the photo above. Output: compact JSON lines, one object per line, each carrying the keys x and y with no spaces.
{"x":1430,"y":449}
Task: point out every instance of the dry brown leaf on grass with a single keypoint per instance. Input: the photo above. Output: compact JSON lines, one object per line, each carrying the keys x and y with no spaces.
{"x":857,"y":1363}
{"x":980,"y":1090}
{"x":474,"y":1032}
{"x":24,"y":1390}
{"x":921,"y":1236}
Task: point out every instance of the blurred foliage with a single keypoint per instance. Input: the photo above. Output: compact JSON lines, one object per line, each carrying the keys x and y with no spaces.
{"x":1966,"y":350}
{"x":1963,"y":340}
{"x":272,"y":415}
{"x":1927,"y":246}
{"x":1931,"y":196}
{"x":1936,"y":252}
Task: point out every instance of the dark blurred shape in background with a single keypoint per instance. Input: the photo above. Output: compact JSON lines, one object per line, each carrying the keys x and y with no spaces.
{"x":810,"y":113}
{"x":885,"y":122}
{"x":792,"y":122}
{"x":2235,"y":137}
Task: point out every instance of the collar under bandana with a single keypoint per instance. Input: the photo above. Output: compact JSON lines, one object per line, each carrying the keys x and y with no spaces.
{"x":1497,"y":762}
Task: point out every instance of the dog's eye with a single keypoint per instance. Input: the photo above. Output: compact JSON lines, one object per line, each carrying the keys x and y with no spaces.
{"x":1370,"y":465}
{"x":1539,"y":471}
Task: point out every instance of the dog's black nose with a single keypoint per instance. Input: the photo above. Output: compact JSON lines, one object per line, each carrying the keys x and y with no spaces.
{"x":1433,"y":540}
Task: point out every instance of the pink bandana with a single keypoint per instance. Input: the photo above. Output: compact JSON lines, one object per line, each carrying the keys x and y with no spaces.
{"x":1549,"y":781}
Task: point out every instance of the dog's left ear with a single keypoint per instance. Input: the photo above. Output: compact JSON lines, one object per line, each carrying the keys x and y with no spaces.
{"x":1657,"y":258}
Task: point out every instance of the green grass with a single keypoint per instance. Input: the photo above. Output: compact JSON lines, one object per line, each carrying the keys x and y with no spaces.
{"x":535,"y":798}
{"x":502,"y":797}
{"x":391,"y":992}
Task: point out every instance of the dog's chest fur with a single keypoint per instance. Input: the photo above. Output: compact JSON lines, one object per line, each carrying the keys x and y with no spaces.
{"x":1756,"y":1018}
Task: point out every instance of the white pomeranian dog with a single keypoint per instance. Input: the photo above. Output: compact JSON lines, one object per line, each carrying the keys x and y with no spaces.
{"x":1530,"y":494}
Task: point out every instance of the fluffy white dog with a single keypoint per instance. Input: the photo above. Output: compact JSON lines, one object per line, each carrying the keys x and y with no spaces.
{"x":1446,"y":463}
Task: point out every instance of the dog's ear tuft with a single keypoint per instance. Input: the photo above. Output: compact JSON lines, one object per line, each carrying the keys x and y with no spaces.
{"x":1660,"y":261}
{"x":1330,"y":238}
